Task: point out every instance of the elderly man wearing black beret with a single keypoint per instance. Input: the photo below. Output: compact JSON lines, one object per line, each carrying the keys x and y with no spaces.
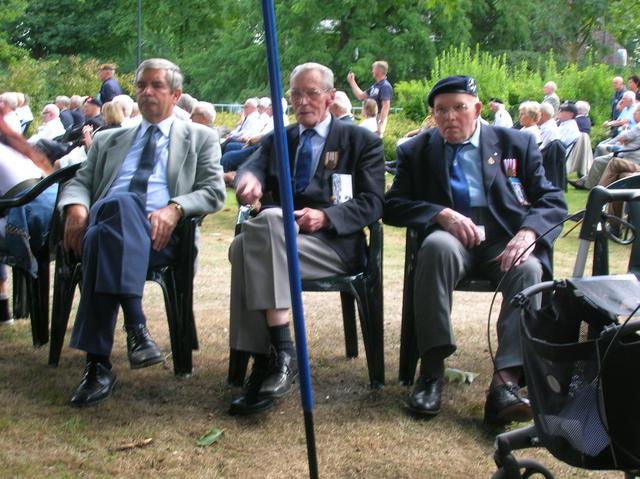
{"x":479,"y":196}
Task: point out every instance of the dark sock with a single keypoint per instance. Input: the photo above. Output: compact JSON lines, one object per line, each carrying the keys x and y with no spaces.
{"x":281,"y":339}
{"x":261,"y":361}
{"x":432,"y":363}
{"x":99,"y":358}
{"x":4,"y":310}
{"x":132,"y":310}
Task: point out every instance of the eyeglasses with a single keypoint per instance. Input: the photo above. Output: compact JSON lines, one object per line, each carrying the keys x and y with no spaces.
{"x":458,"y":109}
{"x":312,"y":94}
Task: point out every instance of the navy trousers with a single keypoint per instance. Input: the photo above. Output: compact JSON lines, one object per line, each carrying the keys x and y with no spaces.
{"x":116,"y":255}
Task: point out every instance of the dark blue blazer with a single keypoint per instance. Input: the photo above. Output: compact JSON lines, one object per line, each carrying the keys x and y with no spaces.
{"x":421,"y":187}
{"x":360,"y":154}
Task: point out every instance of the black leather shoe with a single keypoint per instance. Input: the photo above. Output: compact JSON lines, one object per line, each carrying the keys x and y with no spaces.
{"x":96,"y":385}
{"x":504,"y":405}
{"x":251,"y":402}
{"x":281,"y":377}
{"x":578,"y":184}
{"x":426,"y":396}
{"x":141,"y":349}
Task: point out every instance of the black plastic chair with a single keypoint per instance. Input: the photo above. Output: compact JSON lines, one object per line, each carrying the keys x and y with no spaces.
{"x":553,"y":160}
{"x":175,"y":280}
{"x":31,"y":295}
{"x":408,"y":344}
{"x":365,"y":289}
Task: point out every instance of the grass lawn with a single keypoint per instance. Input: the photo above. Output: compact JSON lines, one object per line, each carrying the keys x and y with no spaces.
{"x":360,"y":433}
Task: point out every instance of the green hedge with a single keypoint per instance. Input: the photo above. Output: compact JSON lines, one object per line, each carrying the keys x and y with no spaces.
{"x":513,"y":83}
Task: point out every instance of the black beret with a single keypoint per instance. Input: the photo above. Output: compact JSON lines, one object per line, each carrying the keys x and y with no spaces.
{"x":453,"y":84}
{"x":569,"y":106}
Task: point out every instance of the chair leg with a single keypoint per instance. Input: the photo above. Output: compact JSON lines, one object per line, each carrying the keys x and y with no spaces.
{"x":371,"y":325}
{"x":408,"y":345}
{"x":64,"y":282}
{"x":349,"y":320}
{"x":38,"y":290}
{"x":238,"y":363}
{"x":20,"y":304}
{"x":179,"y":332}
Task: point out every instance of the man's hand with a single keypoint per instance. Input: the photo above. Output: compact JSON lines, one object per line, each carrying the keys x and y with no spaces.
{"x":163,"y":222}
{"x":460,"y":226}
{"x":351,"y":77}
{"x":310,"y":220}
{"x":75,"y":225}
{"x":248,"y":189}
{"x":519,"y":245}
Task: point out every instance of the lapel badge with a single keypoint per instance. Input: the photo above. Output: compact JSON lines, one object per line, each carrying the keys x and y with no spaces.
{"x":331,"y":160}
{"x":491,"y":161}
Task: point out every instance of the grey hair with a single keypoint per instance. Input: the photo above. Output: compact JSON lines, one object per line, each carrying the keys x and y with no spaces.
{"x":552,"y":84}
{"x":125,"y":102}
{"x":76,"y":101}
{"x":264,"y":102}
{"x":342,"y":102}
{"x":186,"y":102}
{"x":173,"y":73}
{"x":52,"y":108}
{"x":547,"y":108}
{"x":63,"y":100}
{"x":205,"y":108}
{"x":10,"y":99}
{"x":583,"y":107}
{"x":629,"y":95}
{"x":326,"y":73}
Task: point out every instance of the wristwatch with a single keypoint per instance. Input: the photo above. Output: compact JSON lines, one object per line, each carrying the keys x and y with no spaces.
{"x":178,"y":207}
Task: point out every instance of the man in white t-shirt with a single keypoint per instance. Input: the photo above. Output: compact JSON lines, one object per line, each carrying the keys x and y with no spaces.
{"x":501,"y":115}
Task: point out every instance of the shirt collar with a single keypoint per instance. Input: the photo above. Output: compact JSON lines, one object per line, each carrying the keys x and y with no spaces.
{"x":322,"y":128}
{"x":164,"y":126}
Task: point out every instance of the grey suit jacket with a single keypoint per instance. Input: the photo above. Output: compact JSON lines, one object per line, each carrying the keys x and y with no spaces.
{"x":194,"y":173}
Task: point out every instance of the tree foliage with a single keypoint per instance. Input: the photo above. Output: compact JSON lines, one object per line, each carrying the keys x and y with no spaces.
{"x":220,"y":44}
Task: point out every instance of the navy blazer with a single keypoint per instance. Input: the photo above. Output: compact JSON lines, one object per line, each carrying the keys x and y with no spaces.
{"x":421,"y":187}
{"x":360,"y":154}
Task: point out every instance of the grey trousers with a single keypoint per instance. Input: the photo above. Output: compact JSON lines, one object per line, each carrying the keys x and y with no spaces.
{"x":581,"y":157}
{"x":260,"y":278}
{"x":595,"y":173}
{"x":442,"y":262}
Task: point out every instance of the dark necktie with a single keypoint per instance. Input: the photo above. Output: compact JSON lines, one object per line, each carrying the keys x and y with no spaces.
{"x":305,"y":158}
{"x":459,"y":184}
{"x":141,"y":176}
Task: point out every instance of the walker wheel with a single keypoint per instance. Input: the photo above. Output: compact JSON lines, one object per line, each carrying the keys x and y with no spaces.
{"x":527,"y":468}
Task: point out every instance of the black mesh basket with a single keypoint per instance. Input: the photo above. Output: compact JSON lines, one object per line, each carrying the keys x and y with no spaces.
{"x":583,"y":372}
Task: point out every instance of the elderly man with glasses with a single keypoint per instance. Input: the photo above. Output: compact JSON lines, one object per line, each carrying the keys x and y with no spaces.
{"x":338,"y":189}
{"x":479,"y":197}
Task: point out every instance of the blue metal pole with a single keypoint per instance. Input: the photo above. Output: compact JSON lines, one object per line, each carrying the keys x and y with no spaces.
{"x":286,"y":198}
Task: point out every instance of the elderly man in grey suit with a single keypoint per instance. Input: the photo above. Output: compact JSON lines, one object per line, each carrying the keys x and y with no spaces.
{"x":121,"y":211}
{"x":323,"y":152}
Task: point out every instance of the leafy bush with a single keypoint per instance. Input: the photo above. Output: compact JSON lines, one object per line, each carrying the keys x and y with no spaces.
{"x":514,"y":78}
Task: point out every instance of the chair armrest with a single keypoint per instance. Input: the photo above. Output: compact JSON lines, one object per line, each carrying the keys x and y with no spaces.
{"x":59,"y":176}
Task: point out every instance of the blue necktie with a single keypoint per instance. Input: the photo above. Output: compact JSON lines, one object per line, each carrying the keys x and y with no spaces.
{"x":459,"y":184}
{"x":141,"y":176}
{"x":305,"y":159}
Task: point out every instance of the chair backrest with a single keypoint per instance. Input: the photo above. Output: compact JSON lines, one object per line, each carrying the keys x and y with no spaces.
{"x":553,"y":160}
{"x":632,"y":182}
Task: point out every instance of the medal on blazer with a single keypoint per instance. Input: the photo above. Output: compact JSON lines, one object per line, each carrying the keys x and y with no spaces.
{"x":331,"y":160}
{"x":510,"y":170}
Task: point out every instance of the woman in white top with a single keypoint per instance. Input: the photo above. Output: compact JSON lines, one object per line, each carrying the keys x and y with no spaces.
{"x":529,"y":112}
{"x":370,"y":113}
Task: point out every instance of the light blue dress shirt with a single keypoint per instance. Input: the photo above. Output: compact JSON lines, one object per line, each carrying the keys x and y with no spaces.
{"x":158,"y":188}
{"x":317,"y":142}
{"x":471,"y":163}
